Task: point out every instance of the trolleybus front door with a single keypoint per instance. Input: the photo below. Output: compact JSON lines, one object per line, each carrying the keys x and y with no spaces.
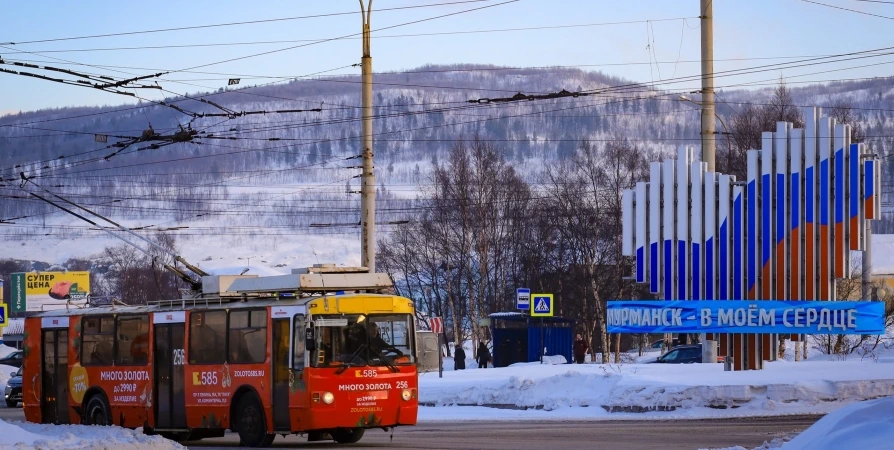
{"x":54,"y":376}
{"x":170,"y":408}
{"x":281,"y":375}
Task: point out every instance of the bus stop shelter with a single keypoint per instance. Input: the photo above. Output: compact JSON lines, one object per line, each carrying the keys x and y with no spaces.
{"x":517,"y":337}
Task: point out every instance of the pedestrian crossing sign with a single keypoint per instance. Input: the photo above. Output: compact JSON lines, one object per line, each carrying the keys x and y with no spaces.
{"x":541,"y":305}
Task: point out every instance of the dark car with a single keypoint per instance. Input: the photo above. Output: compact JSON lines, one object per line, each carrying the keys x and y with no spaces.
{"x":657,"y":345}
{"x":13,"y":359}
{"x":14,"y":389}
{"x":684,"y":354}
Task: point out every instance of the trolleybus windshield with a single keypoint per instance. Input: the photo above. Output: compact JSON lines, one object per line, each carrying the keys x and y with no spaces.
{"x":363,"y":339}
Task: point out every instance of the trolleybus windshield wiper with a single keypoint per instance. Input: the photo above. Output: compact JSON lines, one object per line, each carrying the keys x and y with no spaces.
{"x":389,"y":362}
{"x":350,"y":358}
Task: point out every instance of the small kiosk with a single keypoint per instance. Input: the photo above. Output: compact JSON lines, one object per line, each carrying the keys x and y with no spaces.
{"x":517,"y":337}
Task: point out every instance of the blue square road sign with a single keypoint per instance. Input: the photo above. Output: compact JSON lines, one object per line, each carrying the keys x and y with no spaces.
{"x":541,"y":305}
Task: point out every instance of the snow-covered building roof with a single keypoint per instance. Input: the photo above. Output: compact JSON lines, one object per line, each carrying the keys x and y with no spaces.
{"x":15,"y":326}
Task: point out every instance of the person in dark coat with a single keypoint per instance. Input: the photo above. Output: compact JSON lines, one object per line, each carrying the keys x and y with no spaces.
{"x":459,"y":358}
{"x":483,"y":355}
{"x":580,"y":349}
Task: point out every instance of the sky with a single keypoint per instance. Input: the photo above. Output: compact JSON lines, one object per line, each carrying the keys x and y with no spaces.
{"x":659,"y":39}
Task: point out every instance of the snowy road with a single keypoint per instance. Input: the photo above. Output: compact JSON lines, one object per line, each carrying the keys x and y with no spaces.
{"x":640,"y":434}
{"x":651,"y":435}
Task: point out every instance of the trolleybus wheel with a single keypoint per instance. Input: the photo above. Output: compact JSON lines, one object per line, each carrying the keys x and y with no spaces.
{"x":97,"y":411}
{"x":251,"y":424}
{"x":347,"y":435}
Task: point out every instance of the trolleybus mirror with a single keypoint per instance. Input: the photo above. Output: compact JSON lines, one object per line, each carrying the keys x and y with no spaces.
{"x":309,"y":340}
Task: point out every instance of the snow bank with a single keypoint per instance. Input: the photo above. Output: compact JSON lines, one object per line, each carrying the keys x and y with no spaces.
{"x":57,"y":437}
{"x":685,"y":390}
{"x":12,"y":435}
{"x":6,"y":373}
{"x":551,"y":360}
{"x":865,"y":425}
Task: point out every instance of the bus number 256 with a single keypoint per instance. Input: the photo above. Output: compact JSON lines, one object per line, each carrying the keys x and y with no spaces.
{"x":178,"y":357}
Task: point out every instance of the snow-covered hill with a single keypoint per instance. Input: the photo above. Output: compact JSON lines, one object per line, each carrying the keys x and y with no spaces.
{"x":292,"y":201}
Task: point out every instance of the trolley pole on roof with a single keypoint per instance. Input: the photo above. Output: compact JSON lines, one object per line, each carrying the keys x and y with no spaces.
{"x":367,"y":179}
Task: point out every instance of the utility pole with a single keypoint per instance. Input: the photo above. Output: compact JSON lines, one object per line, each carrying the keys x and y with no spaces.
{"x":367,"y":178}
{"x":708,"y":138}
{"x":709,"y":348}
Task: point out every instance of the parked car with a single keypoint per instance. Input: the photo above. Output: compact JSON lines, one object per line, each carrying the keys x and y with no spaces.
{"x":684,"y":354}
{"x":13,"y":359}
{"x":657,"y":345}
{"x":14,"y":389}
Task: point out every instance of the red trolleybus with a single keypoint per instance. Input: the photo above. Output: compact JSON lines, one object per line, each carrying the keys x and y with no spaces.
{"x":322,"y":352}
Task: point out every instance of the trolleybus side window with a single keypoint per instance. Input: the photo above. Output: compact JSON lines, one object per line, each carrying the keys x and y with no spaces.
{"x":298,"y":345}
{"x":97,"y":340}
{"x":208,"y":337}
{"x":248,"y":336}
{"x":133,"y":340}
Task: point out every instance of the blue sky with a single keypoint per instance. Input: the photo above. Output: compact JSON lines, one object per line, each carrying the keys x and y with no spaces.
{"x":743,"y":29}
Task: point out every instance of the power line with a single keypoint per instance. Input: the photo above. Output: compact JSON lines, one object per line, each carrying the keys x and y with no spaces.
{"x":538,"y":112}
{"x":444,"y":33}
{"x":634,"y":84}
{"x":414,"y":112}
{"x":848,"y":9}
{"x":327,"y":140}
{"x":227,"y":76}
{"x":761,"y":68}
{"x":80,"y":116}
{"x":206,"y":185}
{"x":194,"y":27}
{"x":239,"y":58}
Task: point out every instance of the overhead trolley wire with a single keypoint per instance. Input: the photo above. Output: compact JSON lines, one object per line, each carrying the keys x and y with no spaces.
{"x":239,"y":58}
{"x":848,"y":9}
{"x":291,"y":41}
{"x":248,"y":22}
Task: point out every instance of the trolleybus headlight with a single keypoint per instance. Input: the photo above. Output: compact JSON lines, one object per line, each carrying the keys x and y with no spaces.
{"x":328,"y":398}
{"x":406,"y":394}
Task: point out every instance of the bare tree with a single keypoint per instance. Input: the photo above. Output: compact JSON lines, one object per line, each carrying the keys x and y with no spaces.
{"x":585,"y":192}
{"x":459,"y":255}
{"x":748,"y":124}
{"x":843,"y":112}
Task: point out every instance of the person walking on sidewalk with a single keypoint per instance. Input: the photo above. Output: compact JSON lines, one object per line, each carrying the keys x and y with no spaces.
{"x":459,"y":358}
{"x":483,"y":355}
{"x":580,"y":349}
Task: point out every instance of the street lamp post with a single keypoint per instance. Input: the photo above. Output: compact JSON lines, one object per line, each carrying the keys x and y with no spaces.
{"x":729,"y":147}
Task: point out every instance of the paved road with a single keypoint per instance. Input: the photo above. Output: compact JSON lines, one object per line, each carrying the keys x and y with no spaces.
{"x":635,"y":435}
{"x":12,"y":414}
